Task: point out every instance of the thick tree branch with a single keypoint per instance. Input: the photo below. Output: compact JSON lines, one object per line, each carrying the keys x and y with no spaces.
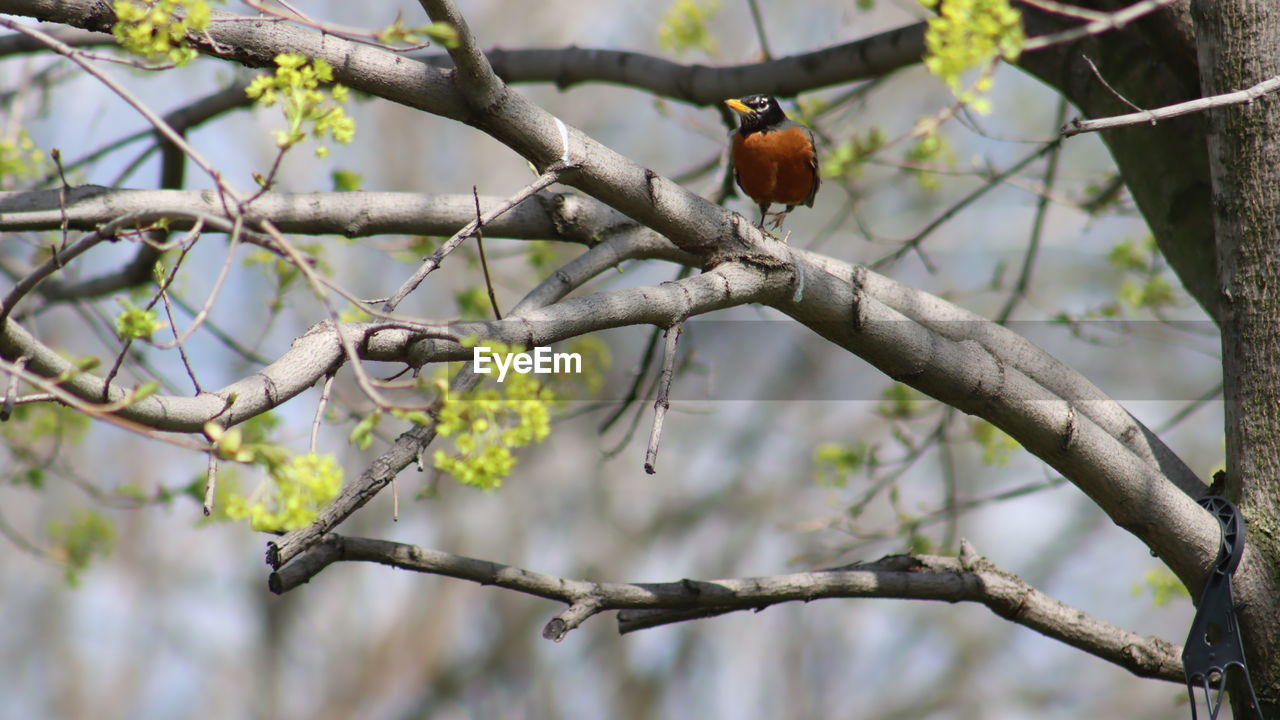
{"x":911,"y":577}
{"x":861,"y":59}
{"x":352,"y":214}
{"x":698,"y":84}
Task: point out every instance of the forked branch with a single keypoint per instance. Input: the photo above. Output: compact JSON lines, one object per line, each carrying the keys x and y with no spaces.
{"x":910,"y":577}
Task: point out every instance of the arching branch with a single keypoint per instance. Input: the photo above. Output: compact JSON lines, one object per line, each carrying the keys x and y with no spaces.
{"x":911,"y":577}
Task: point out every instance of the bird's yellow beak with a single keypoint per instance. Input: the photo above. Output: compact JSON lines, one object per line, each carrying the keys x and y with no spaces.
{"x":737,"y":105}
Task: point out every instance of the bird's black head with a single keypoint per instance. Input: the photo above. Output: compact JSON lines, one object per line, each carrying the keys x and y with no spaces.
{"x":758,"y":112}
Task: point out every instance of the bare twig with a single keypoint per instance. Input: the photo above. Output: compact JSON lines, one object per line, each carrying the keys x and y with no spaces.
{"x":63,"y":187}
{"x":1037,"y":228}
{"x":1240,"y":97}
{"x":672,"y":337}
{"x":965,"y":202}
{"x":55,"y":262}
{"x":1098,"y":74}
{"x":320,"y":408}
{"x":156,"y":121}
{"x":633,"y":392}
{"x":484,"y":262}
{"x":168,"y":305}
{"x":11,"y":392}
{"x":1113,"y":21}
{"x":1068,"y":10}
{"x":431,"y":263}
{"x":918,"y":577}
{"x":758,"y":21}
{"x":211,"y":483}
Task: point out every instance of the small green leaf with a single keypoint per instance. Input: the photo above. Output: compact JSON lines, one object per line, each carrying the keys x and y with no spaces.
{"x":899,"y":402}
{"x":443,"y":33}
{"x":136,"y":323}
{"x":362,"y":433}
{"x":684,"y":26}
{"x":835,"y":461}
{"x":997,"y":447}
{"x":85,"y":535}
{"x":346,"y":180}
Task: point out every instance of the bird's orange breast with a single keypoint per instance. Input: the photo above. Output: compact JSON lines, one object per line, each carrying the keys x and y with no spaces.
{"x":776,"y":166}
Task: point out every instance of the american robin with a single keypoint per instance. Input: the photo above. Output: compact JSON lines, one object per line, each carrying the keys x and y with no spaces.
{"x":773,"y":157}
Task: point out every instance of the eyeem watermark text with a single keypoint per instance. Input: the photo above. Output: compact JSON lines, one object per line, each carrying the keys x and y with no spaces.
{"x":539,"y":362}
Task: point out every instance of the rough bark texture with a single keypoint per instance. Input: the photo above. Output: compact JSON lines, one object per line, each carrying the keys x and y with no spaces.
{"x":1239,"y":45}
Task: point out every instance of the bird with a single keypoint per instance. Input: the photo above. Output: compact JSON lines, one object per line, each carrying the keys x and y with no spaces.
{"x":774,"y":160}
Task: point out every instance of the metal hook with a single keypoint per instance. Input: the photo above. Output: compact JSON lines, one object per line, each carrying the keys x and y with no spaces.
{"x":1214,"y":644}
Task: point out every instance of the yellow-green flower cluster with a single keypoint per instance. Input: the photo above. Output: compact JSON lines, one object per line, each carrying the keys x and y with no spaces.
{"x":296,"y":85}
{"x":157,"y":29}
{"x":487,"y":424}
{"x":135,"y":322}
{"x":20,"y":159}
{"x":299,"y":489}
{"x":967,"y":34}
{"x":684,"y":26}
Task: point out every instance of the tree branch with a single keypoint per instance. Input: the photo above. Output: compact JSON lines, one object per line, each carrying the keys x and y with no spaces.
{"x":861,"y":59}
{"x":1240,"y":97}
{"x":352,"y":214}
{"x":911,"y":577}
{"x":1107,"y":23}
{"x":408,"y":446}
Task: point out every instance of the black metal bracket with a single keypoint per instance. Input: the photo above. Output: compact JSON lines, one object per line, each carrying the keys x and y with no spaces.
{"x":1214,"y":644}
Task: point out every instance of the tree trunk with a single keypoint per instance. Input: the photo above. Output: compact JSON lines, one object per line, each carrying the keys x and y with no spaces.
{"x":1239,"y":46}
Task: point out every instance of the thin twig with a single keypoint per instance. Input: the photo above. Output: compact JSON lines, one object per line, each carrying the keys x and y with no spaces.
{"x":431,"y":263}
{"x":168,"y":305}
{"x":11,"y":393}
{"x":484,"y":262}
{"x":63,"y":188}
{"x":1240,"y":97}
{"x":211,"y":483}
{"x":1068,"y":10}
{"x":633,"y":392}
{"x":1037,"y":227}
{"x":1114,"y":21}
{"x":233,"y":243}
{"x":156,"y":121}
{"x":52,"y":265}
{"x":1098,"y":74}
{"x":914,"y":242}
{"x":320,"y":407}
{"x":646,"y":361}
{"x":663,"y":402}
{"x":758,"y":21}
